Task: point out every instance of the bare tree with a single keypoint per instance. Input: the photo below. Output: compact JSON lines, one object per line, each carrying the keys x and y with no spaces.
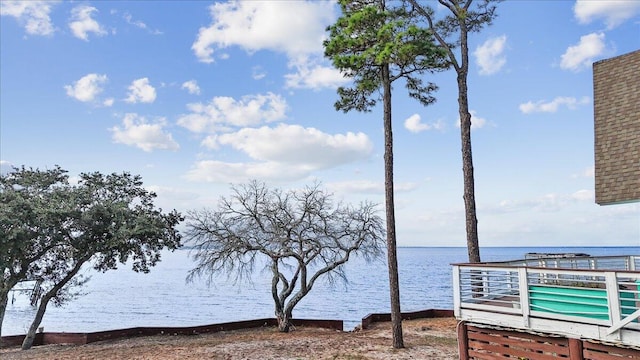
{"x":299,"y":236}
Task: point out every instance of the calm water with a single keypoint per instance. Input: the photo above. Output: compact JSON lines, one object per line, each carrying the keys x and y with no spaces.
{"x":123,"y":298}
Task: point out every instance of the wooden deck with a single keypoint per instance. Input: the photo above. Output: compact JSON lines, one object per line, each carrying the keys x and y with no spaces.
{"x":591,"y":298}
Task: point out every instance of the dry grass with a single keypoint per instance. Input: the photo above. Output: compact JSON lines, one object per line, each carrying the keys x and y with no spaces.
{"x":424,"y":339}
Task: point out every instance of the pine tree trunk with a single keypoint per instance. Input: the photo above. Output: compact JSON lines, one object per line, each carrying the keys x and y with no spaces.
{"x":392,"y":257}
{"x":471,"y":221}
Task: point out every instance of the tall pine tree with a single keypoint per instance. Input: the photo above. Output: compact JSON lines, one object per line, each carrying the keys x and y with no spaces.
{"x":452,"y":31}
{"x":375,"y":46}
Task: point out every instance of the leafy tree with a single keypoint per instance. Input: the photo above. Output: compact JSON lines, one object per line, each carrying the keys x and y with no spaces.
{"x":299,"y":237}
{"x":102,"y":221}
{"x":375,"y":46}
{"x":32,"y":210}
{"x":451,"y":32}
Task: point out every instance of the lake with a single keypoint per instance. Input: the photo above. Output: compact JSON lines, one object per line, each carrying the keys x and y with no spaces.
{"x":122,"y":298}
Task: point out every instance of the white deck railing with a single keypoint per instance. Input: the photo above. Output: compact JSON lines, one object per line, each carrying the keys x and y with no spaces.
{"x":587,"y":297}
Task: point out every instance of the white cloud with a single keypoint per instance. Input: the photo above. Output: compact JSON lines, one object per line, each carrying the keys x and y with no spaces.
{"x":136,"y":131}
{"x":139,"y":24}
{"x":442,"y":218}
{"x":414,"y":124}
{"x":586,"y":173}
{"x":33,"y":15}
{"x":211,"y":142}
{"x":82,"y":23}
{"x":476,"y":121}
{"x":258,"y":25}
{"x":87,"y":88}
{"x":367,"y":187}
{"x":5,"y":167}
{"x":490,"y":55}
{"x":294,"y":144}
{"x":108,"y":102}
{"x":581,"y":56}
{"x":553,"y":105}
{"x":357,"y":187}
{"x":177,"y":198}
{"x":551,"y":202}
{"x":141,"y":91}
{"x":192,"y":87}
{"x":222,"y":172}
{"x":286,"y":152}
{"x":223,"y":112}
{"x":614,"y":12}
{"x":309,"y":75}
{"x":584,"y":195}
{"x":546,"y":203}
{"x":258,"y":73}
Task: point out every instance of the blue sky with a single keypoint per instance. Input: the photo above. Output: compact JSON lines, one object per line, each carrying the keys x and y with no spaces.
{"x":196,"y":95}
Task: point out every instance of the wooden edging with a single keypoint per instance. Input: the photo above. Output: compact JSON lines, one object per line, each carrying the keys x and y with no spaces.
{"x":382,"y":317}
{"x":86,"y":338}
{"x":46,"y":338}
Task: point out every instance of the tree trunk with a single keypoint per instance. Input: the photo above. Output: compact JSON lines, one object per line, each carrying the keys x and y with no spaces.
{"x":284,"y":321}
{"x":392,"y":257}
{"x":27,"y":343}
{"x":471,"y":221}
{"x":4,"y":300}
{"x":462,"y":70}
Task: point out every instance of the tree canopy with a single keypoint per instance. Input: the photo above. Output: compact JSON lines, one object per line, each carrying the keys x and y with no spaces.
{"x":369,"y":37}
{"x":49,"y":229}
{"x":33,"y":216}
{"x":299,"y":236}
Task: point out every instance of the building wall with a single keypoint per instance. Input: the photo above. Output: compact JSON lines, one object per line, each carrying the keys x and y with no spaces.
{"x":616,"y":84}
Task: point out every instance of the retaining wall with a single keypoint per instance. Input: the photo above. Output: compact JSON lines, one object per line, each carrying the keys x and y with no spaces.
{"x":86,"y":338}
{"x":484,"y":343}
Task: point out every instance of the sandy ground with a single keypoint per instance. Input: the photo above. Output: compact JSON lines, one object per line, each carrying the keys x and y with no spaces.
{"x":423,"y":338}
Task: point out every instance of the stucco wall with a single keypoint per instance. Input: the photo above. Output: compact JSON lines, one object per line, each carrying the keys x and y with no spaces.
{"x":616,"y":84}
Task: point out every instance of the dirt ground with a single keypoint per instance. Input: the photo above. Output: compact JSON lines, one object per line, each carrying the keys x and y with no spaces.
{"x":423,"y":338}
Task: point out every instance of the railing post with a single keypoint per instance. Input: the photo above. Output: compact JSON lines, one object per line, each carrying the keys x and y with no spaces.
{"x":463,"y":341}
{"x":523,"y":281}
{"x":613,"y":299}
{"x":575,"y":349}
{"x":456,"y":291}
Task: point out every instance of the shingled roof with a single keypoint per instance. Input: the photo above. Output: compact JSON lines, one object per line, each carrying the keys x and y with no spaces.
{"x":616,"y":84}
